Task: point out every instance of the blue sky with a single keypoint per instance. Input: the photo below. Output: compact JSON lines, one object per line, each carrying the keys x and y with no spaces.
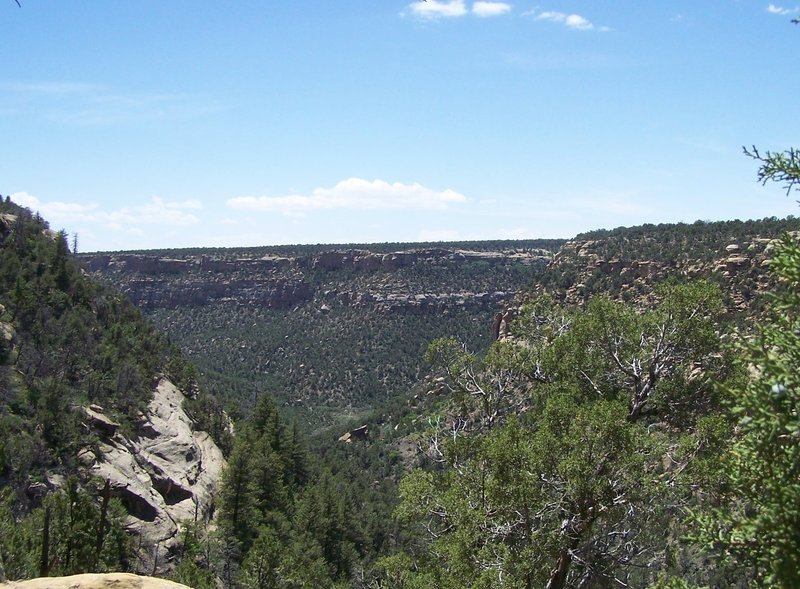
{"x":152,"y":124}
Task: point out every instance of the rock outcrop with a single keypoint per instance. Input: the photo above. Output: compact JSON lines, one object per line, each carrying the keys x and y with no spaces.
{"x":283,"y":282}
{"x":737,"y":266}
{"x":165,"y":474}
{"x":95,"y":581}
{"x":360,"y":433}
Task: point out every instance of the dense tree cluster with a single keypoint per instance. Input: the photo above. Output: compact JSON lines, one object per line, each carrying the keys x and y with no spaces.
{"x":68,"y":342}
{"x":284,"y":520}
{"x":320,"y":366}
{"x":560,"y":466}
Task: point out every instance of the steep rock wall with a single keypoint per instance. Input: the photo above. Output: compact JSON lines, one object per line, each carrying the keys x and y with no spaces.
{"x":165,"y":474}
{"x":354,"y":277}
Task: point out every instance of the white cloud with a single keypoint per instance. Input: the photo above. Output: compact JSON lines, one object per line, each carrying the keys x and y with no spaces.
{"x":433,"y":9}
{"x":516,"y":233}
{"x":773,"y":9}
{"x":485,"y":9}
{"x":51,"y":209}
{"x":353,"y":193}
{"x":156,"y":211}
{"x":572,"y":21}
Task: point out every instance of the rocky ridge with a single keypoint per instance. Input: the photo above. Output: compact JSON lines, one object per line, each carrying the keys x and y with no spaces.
{"x":165,"y":474}
{"x":740,"y":267}
{"x":351,"y":277}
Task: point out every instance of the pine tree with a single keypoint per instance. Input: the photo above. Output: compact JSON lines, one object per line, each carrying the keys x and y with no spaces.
{"x":238,"y":495}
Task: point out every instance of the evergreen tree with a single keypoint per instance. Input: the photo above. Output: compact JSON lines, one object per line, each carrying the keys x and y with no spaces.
{"x":237,"y":499}
{"x":260,"y":567}
{"x":566,"y":496}
{"x":757,"y":519}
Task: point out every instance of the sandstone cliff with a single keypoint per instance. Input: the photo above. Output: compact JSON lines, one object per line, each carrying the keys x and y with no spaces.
{"x":165,"y":474}
{"x":353,"y":277}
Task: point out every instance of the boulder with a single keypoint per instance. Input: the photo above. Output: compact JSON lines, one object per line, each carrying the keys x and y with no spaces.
{"x":360,"y":433}
{"x":100,"y":422}
{"x":735,"y":262}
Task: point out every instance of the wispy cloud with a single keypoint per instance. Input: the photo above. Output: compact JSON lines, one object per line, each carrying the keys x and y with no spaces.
{"x":447,"y":234}
{"x":436,"y":9}
{"x":571,"y":21}
{"x":486,"y":9}
{"x":155,"y":211}
{"x":50,"y":88}
{"x":85,"y":104}
{"x":780,"y":10}
{"x":433,"y":9}
{"x":353,"y":193}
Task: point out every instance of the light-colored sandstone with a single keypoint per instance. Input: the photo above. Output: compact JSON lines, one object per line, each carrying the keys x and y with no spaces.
{"x":95,"y":581}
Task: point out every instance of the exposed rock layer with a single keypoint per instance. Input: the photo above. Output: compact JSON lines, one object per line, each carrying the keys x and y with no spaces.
{"x":165,"y":474}
{"x":95,"y":581}
{"x":282,"y":282}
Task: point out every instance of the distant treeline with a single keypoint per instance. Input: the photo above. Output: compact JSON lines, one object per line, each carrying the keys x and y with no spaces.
{"x":378,"y":248}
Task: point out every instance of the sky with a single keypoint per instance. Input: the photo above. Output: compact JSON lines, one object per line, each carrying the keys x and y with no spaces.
{"x":141,"y":124}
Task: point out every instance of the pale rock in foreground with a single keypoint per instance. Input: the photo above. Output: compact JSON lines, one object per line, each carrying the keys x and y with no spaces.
{"x":95,"y":581}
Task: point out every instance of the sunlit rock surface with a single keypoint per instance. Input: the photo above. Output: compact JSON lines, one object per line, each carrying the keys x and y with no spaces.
{"x":95,"y":581}
{"x":165,"y":473}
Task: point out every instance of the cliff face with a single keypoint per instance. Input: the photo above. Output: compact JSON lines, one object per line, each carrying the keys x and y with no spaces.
{"x":353,"y":277}
{"x":165,"y":474}
{"x":730,"y":264}
{"x":628,"y":263}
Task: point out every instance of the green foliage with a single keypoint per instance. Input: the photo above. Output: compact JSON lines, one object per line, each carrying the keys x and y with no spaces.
{"x":783,"y":167}
{"x":340,"y":351}
{"x":758,"y":515}
{"x":649,"y":254}
{"x":612,"y":348}
{"x":207,"y":415}
{"x":71,"y":342}
{"x":319,"y":366}
{"x":68,"y":534}
{"x":66,"y":342}
{"x":237,"y":507}
{"x":278,"y":528}
{"x":194,"y":568}
{"x":260,"y":567}
{"x":575,"y":493}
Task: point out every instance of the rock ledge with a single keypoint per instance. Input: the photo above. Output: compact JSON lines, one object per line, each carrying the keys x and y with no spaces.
{"x":95,"y":581}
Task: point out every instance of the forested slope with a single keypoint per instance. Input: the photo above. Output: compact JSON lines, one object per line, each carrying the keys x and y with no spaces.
{"x":329,"y":330}
{"x":68,"y":344}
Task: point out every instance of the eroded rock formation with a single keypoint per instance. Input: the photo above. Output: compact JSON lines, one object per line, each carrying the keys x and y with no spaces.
{"x":165,"y":474}
{"x":283,"y":282}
